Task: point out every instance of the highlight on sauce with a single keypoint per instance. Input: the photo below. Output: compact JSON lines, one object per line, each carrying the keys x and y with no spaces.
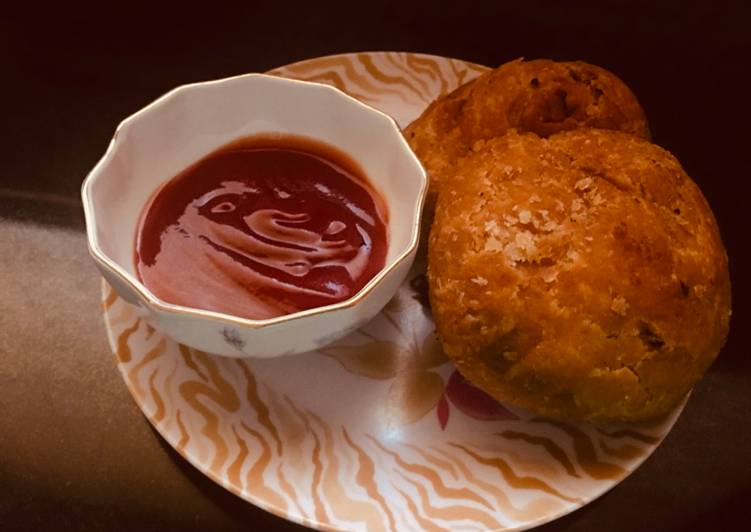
{"x":263,"y":227}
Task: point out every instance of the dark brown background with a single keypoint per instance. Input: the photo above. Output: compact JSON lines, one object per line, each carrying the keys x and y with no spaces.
{"x":75,"y":452}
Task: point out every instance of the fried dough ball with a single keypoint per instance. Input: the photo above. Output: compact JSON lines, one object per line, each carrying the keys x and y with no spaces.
{"x":580,"y":276}
{"x":540,"y":96}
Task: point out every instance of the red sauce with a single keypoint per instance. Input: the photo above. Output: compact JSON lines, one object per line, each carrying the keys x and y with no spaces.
{"x":261,"y":228}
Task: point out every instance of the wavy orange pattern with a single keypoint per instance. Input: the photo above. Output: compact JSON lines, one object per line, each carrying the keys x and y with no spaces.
{"x":253,"y":428}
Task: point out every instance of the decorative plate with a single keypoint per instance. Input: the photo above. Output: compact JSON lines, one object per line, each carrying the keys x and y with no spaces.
{"x":377,"y":432}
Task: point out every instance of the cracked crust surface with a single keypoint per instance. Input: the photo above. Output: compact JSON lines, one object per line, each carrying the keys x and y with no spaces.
{"x":540,"y":96}
{"x":581,"y":276}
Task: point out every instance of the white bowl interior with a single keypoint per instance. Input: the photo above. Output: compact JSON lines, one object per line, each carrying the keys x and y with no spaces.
{"x":157,"y":143}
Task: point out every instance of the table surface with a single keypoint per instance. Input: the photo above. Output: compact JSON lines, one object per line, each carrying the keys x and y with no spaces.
{"x":76,"y":454}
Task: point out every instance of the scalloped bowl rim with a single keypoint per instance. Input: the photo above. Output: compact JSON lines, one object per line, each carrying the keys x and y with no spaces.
{"x":151,"y":300}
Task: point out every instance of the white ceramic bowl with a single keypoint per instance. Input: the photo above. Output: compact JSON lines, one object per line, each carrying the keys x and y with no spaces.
{"x":156,"y":143}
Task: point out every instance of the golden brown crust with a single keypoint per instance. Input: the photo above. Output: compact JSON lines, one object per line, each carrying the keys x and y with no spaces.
{"x":540,"y":96}
{"x":581,"y":276}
